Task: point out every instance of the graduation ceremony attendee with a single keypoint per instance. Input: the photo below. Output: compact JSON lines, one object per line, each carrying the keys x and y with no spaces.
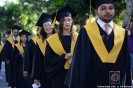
{"x":130,"y":39}
{"x":18,"y":53}
{"x":7,"y":35}
{"x":59,"y":48}
{"x":8,"y":49}
{"x":102,"y":56}
{"x":47,"y":22}
{"x":28,"y":56}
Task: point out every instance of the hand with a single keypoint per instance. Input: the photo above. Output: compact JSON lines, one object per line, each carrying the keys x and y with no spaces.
{"x":7,"y":61}
{"x":21,"y":53}
{"x":25,"y":74}
{"x":68,"y":56}
{"x":36,"y":82}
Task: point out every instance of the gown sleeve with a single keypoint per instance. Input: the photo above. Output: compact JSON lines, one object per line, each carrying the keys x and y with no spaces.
{"x":28,"y":56}
{"x":128,"y":68}
{"x":76,"y":76}
{"x":38,"y":63}
{"x":8,"y":50}
{"x":53,"y":62}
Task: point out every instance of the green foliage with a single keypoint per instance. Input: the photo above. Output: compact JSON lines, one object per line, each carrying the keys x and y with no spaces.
{"x":25,"y":13}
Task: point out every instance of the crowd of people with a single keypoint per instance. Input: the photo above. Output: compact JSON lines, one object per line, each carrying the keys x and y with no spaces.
{"x":99,"y":56}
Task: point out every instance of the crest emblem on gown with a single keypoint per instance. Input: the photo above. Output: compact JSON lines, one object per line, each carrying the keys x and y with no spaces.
{"x":114,"y":77}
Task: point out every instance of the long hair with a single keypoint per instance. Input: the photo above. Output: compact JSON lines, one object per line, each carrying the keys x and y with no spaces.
{"x":60,"y":31}
{"x":44,"y":34}
{"x":21,"y":40}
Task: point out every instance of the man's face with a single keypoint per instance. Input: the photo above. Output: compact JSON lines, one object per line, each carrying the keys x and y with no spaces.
{"x":131,"y":25}
{"x":105,"y":12}
{"x":15,"y":32}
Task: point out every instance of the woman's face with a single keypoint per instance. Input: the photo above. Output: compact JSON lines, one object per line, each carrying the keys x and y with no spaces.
{"x":67,"y":23}
{"x":23,"y":38}
{"x":48,"y":27}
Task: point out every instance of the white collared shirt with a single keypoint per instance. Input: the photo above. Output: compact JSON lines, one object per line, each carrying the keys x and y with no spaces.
{"x":14,"y":38}
{"x":102,"y":25}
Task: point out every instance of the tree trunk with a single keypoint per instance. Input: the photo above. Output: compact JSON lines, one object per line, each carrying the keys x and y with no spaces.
{"x":129,"y":11}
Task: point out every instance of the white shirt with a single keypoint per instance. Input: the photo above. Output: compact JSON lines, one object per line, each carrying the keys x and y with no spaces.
{"x":102,"y":25}
{"x":14,"y":38}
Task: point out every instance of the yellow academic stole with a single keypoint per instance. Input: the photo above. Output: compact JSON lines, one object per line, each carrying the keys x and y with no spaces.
{"x":42,"y":45}
{"x":1,"y":47}
{"x":35,"y":38}
{"x":98,"y":44}
{"x":10,"y":39}
{"x":57,"y":47}
{"x":20,"y":48}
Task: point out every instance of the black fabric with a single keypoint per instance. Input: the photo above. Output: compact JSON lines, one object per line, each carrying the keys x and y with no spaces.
{"x":95,"y":4}
{"x":88,"y":71}
{"x":10,"y":69}
{"x":38,"y":71}
{"x":54,"y":64}
{"x":28,"y":59}
{"x":21,"y":82}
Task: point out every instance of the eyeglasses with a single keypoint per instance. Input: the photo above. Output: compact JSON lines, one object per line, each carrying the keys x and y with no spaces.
{"x":15,"y":32}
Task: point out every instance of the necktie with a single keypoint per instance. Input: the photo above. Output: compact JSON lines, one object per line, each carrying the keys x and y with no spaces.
{"x":106,"y":28}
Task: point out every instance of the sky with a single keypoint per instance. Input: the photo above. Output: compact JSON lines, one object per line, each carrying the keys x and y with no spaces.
{"x":2,"y":1}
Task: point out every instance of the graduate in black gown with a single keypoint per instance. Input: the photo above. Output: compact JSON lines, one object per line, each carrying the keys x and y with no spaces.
{"x":7,"y":35}
{"x":47,"y":22}
{"x":101,"y":57}
{"x":59,"y":48}
{"x":8,"y":50}
{"x":18,"y":54}
{"x":28,"y":56}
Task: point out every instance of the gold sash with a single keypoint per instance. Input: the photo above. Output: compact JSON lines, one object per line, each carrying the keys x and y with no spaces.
{"x":42,"y":45}
{"x":20,"y":48}
{"x":35,"y":38}
{"x":1,"y":47}
{"x":98,"y":44}
{"x":57,"y":47}
{"x":10,"y":39}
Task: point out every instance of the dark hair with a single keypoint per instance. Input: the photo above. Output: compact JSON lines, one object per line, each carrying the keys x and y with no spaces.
{"x":44,"y":34}
{"x":60,"y":31}
{"x":26,"y":40}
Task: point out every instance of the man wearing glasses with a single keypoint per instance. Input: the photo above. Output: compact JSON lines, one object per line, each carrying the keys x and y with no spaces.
{"x":8,"y":48}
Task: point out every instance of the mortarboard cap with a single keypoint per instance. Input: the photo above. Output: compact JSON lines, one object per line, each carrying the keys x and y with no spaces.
{"x":64,"y":12}
{"x":15,"y":27}
{"x":45,"y":18}
{"x":96,"y":3}
{"x":24,"y":32}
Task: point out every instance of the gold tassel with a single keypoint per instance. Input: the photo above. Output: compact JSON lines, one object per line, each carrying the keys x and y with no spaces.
{"x":53,"y":24}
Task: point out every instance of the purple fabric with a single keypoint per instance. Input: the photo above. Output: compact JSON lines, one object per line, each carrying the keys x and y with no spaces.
{"x":130,"y":38}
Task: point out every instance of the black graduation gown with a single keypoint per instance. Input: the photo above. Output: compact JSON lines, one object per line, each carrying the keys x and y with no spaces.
{"x":10,"y":69}
{"x":18,"y":61}
{"x":88,"y":71}
{"x":54,"y":64}
{"x":28,"y":59}
{"x":38,"y":68}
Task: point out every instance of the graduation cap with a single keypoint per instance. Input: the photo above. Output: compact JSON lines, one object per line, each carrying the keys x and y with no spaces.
{"x":64,"y":12}
{"x":24,"y":32}
{"x":96,"y":3}
{"x":15,"y":27}
{"x":45,"y":18}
